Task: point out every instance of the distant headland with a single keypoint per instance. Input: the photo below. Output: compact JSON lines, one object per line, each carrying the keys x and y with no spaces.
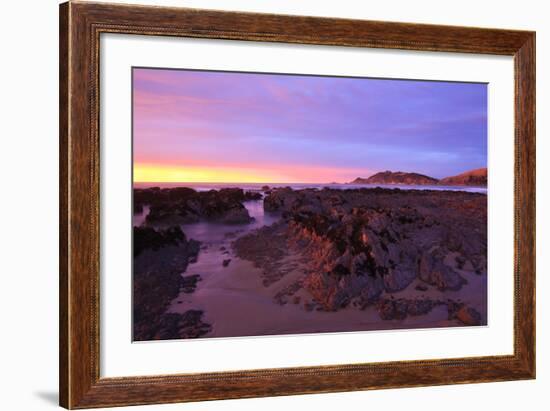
{"x":477,"y":177}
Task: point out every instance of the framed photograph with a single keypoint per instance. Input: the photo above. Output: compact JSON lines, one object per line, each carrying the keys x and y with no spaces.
{"x":259,"y":205}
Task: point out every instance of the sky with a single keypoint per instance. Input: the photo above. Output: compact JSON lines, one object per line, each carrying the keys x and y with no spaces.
{"x":206,"y":126}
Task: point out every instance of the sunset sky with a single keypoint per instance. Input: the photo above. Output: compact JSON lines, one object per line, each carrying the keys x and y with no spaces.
{"x":203,"y":126}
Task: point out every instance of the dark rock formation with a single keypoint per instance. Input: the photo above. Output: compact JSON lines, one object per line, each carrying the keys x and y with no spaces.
{"x":252,"y":196}
{"x":280,"y":199}
{"x":138,"y":208}
{"x":399,"y":309}
{"x":359,"y":244}
{"x":159,"y":259}
{"x":265,"y":247}
{"x":149,"y":238}
{"x":184,"y":205}
{"x":174,"y":326}
{"x":476,"y":178}
{"x":189,"y":283}
{"x":433,"y":271}
{"x":396,"y":177}
{"x":149,"y":195}
{"x":468,"y":316}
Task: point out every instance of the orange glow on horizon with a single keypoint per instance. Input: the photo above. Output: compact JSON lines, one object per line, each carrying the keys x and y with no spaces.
{"x":156,"y":173}
{"x":194,"y":174}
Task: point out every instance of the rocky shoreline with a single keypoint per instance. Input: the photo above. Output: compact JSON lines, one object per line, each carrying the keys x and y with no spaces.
{"x":160,"y":257}
{"x":162,"y":254}
{"x":407,"y":254}
{"x":364,"y":245}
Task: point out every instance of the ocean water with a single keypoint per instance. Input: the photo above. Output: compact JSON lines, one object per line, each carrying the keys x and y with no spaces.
{"x":299,"y":186}
{"x":216,"y":233}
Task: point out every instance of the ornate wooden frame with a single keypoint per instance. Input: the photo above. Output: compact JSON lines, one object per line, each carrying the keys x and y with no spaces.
{"x":80,"y":27}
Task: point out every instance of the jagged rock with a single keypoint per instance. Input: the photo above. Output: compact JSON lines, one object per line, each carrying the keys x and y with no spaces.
{"x":173,"y":213}
{"x":398,"y":279}
{"x":468,"y":316}
{"x":433,"y":271}
{"x":265,"y":247}
{"x":138,"y":208}
{"x":159,"y":259}
{"x":392,"y":309}
{"x":189,"y":283}
{"x":236,"y":214}
{"x":361,"y":243}
{"x":149,"y":238}
{"x":252,"y":195}
{"x":460,"y":262}
{"x":184,"y":205}
{"x":399,"y":309}
{"x":186,"y":325}
{"x":283,"y":295}
{"x":420,"y":306}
